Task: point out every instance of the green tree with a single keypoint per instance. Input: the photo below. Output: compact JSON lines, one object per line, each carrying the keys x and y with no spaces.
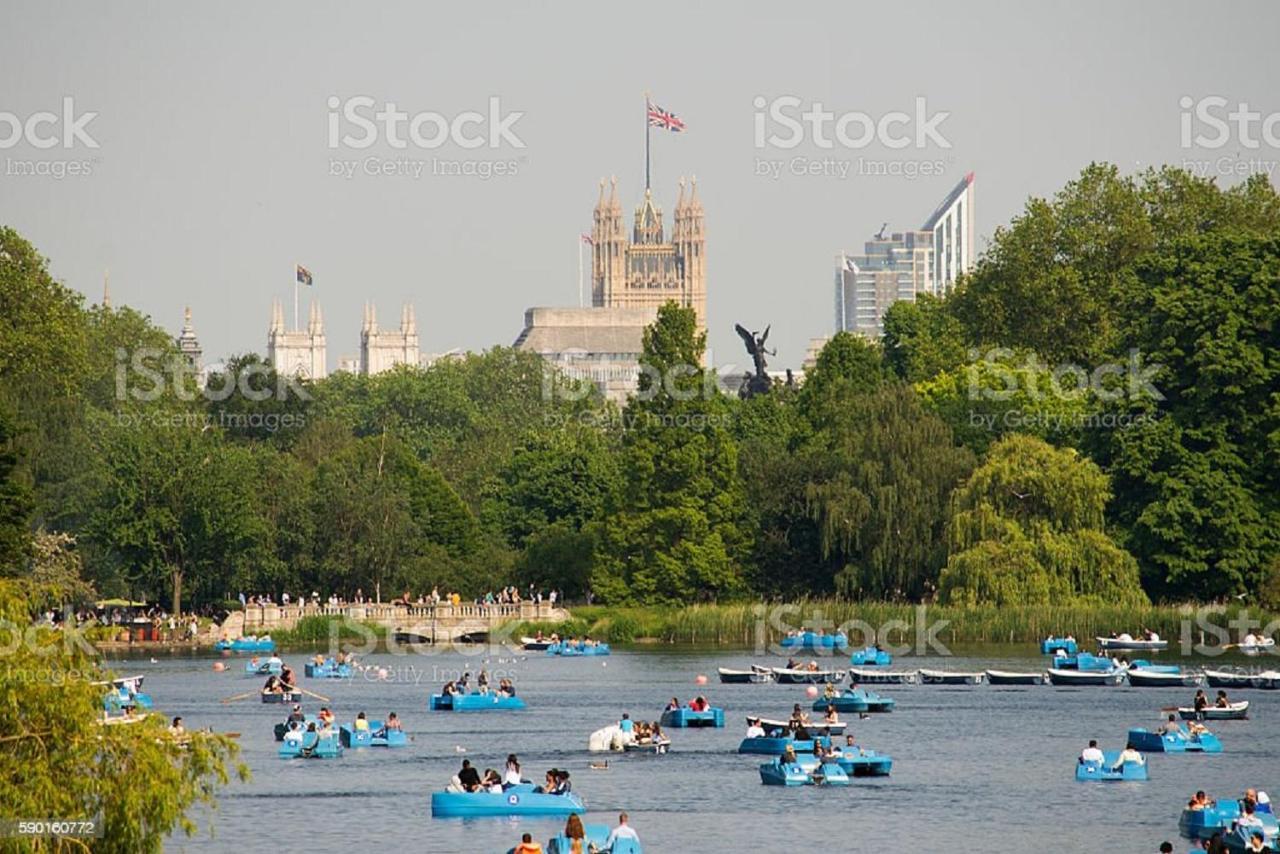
{"x":1027,"y":528}
{"x":15,"y":506}
{"x":848,"y":364}
{"x":922,"y":339}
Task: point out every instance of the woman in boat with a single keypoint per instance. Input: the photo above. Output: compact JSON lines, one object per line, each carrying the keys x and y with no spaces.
{"x":754,"y":730}
{"x":674,"y":705}
{"x":527,"y":845}
{"x":491,"y":783}
{"x":563,"y":786}
{"x":699,"y":704}
{"x":1201,"y":701}
{"x":548,"y":782}
{"x":506,"y":687}
{"x":1129,"y":754}
{"x":273,"y":685}
{"x":576,"y":835}
{"x":450,"y":689}
{"x":831,"y":717}
{"x":362,"y":722}
{"x":482,"y":681}
{"x":829,"y":692}
{"x":1221,"y":702}
{"x":788,"y":755}
{"x":288,"y":679}
{"x":511,"y":775}
{"x":658,"y":738}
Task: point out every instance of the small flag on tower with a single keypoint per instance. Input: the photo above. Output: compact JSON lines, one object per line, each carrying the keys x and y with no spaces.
{"x":660,"y":118}
{"x":586,"y":238}
{"x":304,"y":276}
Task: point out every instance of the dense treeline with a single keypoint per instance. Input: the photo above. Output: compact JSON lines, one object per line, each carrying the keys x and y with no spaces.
{"x":1092,"y":415}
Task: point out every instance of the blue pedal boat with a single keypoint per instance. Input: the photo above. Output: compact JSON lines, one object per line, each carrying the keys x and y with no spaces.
{"x":517,"y":800}
{"x":597,"y":835}
{"x":312,"y":745}
{"x":565,"y":648}
{"x":1179,"y":742}
{"x":1218,"y":818}
{"x":328,"y":670}
{"x":475,"y":703}
{"x":858,"y":762}
{"x":779,"y":773}
{"x":270,"y":667}
{"x":1049,"y":646}
{"x":856,"y":700}
{"x":870,"y":657}
{"x":687,"y":717}
{"x":247,"y":644}
{"x":776,"y":745}
{"x":1083,"y":661}
{"x":816,"y":642}
{"x":1106,"y":772}
{"x":374,"y":736}
{"x":1237,"y":840}
{"x":281,"y":728}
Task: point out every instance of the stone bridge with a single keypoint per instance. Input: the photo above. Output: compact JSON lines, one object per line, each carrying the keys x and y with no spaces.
{"x":431,"y":623}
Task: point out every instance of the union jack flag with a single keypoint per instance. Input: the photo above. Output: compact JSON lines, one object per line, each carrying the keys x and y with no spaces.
{"x":660,"y":118}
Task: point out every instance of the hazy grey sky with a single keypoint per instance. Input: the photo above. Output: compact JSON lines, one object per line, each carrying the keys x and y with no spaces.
{"x":212,"y":174}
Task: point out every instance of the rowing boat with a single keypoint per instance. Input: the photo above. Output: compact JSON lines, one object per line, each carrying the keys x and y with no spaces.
{"x":882,"y":677}
{"x":1231,"y":712}
{"x":1009,"y":677}
{"x":1128,"y":643}
{"x":744,"y":677}
{"x":947,"y":677}
{"x":1085,"y":677}
{"x":792,"y":676}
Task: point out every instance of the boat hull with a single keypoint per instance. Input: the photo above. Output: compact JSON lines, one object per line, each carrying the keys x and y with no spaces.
{"x":794,"y":774}
{"x":1183,"y":742}
{"x":475,"y":703}
{"x":311,"y":746}
{"x":866,"y":763}
{"x":568,"y":650}
{"x":1084,"y":677}
{"x":1233,"y":712}
{"x":856,"y":700}
{"x":1267,"y":681}
{"x":784,"y":676}
{"x":882,"y":677}
{"x":352,"y":737}
{"x":1007,"y":677}
{"x":744,"y":677}
{"x":281,"y":697}
{"x":518,"y":800}
{"x":942,"y":677}
{"x":1117,"y":644}
{"x":1151,"y":679}
{"x":686,"y":718}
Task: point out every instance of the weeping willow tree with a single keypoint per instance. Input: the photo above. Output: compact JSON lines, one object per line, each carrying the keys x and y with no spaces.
{"x":880,"y":505}
{"x":1027,"y":528}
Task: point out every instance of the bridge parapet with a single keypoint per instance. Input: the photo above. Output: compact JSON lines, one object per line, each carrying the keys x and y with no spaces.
{"x":444,"y":620}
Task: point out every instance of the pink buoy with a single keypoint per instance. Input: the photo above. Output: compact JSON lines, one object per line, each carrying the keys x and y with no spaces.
{"x":811,"y":691}
{"x":382,"y":673}
{"x":218,"y":667}
{"x":701,"y":680}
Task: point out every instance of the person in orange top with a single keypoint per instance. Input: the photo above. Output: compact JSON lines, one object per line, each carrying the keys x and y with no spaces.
{"x":528,"y":846}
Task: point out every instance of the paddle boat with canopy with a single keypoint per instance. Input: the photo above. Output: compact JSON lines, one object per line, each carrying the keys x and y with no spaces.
{"x":1050,"y":646}
{"x":327,"y":669}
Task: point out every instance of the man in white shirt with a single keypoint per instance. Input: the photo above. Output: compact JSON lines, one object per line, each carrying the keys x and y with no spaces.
{"x":754,"y":730}
{"x":1092,"y":753}
{"x":622,"y":831}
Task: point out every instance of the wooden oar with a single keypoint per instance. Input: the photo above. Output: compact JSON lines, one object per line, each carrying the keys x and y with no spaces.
{"x":243,"y":696}
{"x":320,"y":697}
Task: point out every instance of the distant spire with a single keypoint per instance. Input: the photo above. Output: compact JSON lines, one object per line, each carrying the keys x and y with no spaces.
{"x":408,"y":322}
{"x":600,"y":200}
{"x":277,"y":316}
{"x":614,"y":205}
{"x":680,"y":196}
{"x":373,"y":317}
{"x":186,"y":319}
{"x":319,"y":321}
{"x":106,"y":289}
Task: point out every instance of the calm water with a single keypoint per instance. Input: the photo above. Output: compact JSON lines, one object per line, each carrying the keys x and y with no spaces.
{"x":976,"y":769}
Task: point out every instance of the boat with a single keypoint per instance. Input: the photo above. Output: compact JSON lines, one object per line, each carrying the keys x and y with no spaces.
{"x":855,"y":700}
{"x":1237,"y":840}
{"x":870,"y":657}
{"x":779,"y":773}
{"x":1086,"y":677}
{"x":947,"y":677}
{"x":597,"y":837}
{"x":1083,"y":661}
{"x":776,"y":742}
{"x":820,"y":727}
{"x":124,"y":693}
{"x":687,"y":717}
{"x":743,"y":677}
{"x":882,"y":677}
{"x":796,"y":676}
{"x":535,"y":644}
{"x":1107,"y":772}
{"x":816,"y":641}
{"x":1010,"y":677}
{"x":327,"y":670}
{"x":517,"y":800}
{"x":248,"y":643}
{"x":1049,"y":646}
{"x":312,"y":745}
{"x":271,"y":667}
{"x":1258,"y":646}
{"x":474,"y":702}
{"x":1218,"y":818}
{"x":1267,"y":680}
{"x":1144,"y":675}
{"x":283,"y":727}
{"x":1231,"y":712}
{"x":1126,"y":642}
{"x":568,"y":648}
{"x":375,"y":736}
{"x":857,"y":762}
{"x":281,"y":696}
{"x":1180,"y":742}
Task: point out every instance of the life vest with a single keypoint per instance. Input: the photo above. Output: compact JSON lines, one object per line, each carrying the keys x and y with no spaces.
{"x":528,"y":848}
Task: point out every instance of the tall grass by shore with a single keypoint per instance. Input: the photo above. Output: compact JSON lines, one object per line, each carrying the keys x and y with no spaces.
{"x":747,"y":624}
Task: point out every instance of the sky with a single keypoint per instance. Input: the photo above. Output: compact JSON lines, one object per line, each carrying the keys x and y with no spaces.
{"x":215,"y":160}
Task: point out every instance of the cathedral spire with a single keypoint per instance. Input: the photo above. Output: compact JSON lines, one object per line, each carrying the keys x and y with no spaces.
{"x":106,"y":289}
{"x":277,"y":316}
{"x":409,"y":323}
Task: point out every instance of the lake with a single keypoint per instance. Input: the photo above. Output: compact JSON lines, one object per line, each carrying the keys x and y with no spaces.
{"x":975,"y":769}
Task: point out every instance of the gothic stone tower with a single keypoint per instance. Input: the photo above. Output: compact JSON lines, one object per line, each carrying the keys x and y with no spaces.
{"x":300,"y":353}
{"x":646,"y":270}
{"x":383,"y":349}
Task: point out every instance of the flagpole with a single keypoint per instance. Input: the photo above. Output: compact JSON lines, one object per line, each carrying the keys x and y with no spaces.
{"x":580,"y":304}
{"x":295,"y":298}
{"x":647,"y":131}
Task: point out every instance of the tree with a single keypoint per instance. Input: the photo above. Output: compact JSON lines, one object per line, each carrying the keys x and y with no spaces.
{"x":847,"y":364}
{"x":922,"y":339}
{"x":676,"y":528}
{"x":1027,"y":528}
{"x":15,"y":506}
{"x":137,"y":781}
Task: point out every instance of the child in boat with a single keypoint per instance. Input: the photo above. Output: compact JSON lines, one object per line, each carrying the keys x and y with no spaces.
{"x":1201,"y":701}
{"x":527,"y":845}
{"x":362,"y":722}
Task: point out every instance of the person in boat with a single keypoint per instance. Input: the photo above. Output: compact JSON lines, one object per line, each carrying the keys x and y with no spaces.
{"x":325,"y":716}
{"x":622,"y":831}
{"x":464,"y":684}
{"x":800,"y":732}
{"x":274,"y":661}
{"x":527,"y":845}
{"x":1257,"y":842}
{"x":829,"y":692}
{"x":1250,"y":639}
{"x":450,"y":689}
{"x":491,"y":782}
{"x":176,"y":729}
{"x":674,"y":705}
{"x":576,"y":834}
{"x":468,"y":778}
{"x":1221,"y":701}
{"x":792,"y":664}
{"x":799,"y":715}
{"x":1199,"y":801}
{"x":562,"y":786}
{"x":253,"y":662}
{"x":788,"y":755}
{"x":1248,"y":814}
{"x":1129,"y":755}
{"x":1171,"y":726}
{"x":482,"y":681}
{"x":506,"y":687}
{"x":1201,"y":702}
{"x":288,"y":679}
{"x":393,"y":722}
{"x":831,"y":717}
{"x":1196,"y":728}
{"x":362,"y":722}
{"x":511,"y":775}
{"x":318,"y":660}
{"x":754,"y":730}
{"x":295,"y":713}
{"x":658,"y":738}
{"x":699,"y":704}
{"x":1092,"y":753}
{"x":626,"y":724}
{"x":273,"y":685}
{"x":293,"y":734}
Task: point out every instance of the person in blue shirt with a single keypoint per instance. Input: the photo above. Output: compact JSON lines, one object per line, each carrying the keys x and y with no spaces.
{"x":626,"y":724}
{"x":622,"y":831}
